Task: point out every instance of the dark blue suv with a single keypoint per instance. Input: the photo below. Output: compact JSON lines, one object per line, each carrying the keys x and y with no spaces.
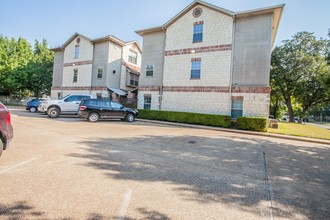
{"x":32,"y":105}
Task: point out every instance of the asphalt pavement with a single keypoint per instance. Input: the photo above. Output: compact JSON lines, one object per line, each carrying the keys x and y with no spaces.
{"x":68,"y":168}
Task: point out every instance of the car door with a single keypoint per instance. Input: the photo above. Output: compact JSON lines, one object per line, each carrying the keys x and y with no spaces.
{"x":71,"y":104}
{"x":117,"y":110}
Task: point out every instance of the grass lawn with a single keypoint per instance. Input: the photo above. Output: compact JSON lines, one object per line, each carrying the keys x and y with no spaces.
{"x":301,"y":130}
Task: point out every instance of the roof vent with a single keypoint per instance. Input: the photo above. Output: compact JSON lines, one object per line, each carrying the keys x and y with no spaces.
{"x":197,"y":12}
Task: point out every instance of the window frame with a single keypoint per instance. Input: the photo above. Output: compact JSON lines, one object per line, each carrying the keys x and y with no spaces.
{"x":133,"y":79}
{"x":236,"y":108}
{"x":132,"y":57}
{"x":196,"y":66}
{"x":198,"y":30}
{"x":147,"y":102}
{"x":75,"y":76}
{"x":150,"y":72}
{"x":99,"y":74}
{"x":76,"y":51}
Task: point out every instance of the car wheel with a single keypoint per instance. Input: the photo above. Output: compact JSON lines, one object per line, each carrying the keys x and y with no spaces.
{"x":33,"y":109}
{"x":53,"y":112}
{"x":130,"y":117}
{"x":93,"y":117}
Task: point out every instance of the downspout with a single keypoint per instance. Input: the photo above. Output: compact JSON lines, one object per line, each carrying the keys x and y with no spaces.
{"x":232,"y":61}
{"x":91,"y":87}
{"x":162,"y":75}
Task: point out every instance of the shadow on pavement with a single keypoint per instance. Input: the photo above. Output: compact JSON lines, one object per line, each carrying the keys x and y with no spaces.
{"x":224,"y":170}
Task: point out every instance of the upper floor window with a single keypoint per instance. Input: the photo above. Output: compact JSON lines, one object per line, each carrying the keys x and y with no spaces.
{"x":198,"y":32}
{"x":150,"y":70}
{"x":133,"y":79}
{"x":195,"y":69}
{"x":75,"y":75}
{"x":76,"y":51}
{"x":99,"y":73}
{"x":132,"y":57}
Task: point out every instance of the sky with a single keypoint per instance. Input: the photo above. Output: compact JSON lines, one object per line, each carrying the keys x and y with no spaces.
{"x":57,"y":20}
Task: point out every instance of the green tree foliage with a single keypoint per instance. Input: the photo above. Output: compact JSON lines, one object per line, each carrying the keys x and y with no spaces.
{"x":299,"y":72}
{"x":23,"y":70}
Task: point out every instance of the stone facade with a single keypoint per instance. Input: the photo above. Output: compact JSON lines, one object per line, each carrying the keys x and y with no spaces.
{"x":100,"y":65}
{"x":233,"y":71}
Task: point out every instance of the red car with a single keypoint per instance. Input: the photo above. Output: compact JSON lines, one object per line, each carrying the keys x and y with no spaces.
{"x":6,"y":129}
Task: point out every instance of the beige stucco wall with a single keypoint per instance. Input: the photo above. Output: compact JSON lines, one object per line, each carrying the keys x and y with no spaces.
{"x":132,"y":47}
{"x":154,"y":99}
{"x":101,"y":52}
{"x":85,"y":51}
{"x":58,"y":68}
{"x":215,"y":69}
{"x":217,"y":29}
{"x":84,"y":75}
{"x":254,"y":104}
{"x":252,"y":50}
{"x":153,"y":53}
{"x":208,"y":103}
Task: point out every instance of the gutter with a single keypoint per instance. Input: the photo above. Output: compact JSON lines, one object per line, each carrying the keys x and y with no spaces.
{"x":232,"y":60}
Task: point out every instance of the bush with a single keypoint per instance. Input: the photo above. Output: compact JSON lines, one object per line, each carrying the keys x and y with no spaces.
{"x":186,"y":117}
{"x":252,"y":124}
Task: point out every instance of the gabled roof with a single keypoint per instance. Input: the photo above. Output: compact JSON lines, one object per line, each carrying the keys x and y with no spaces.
{"x":98,"y":40}
{"x":192,"y":5}
{"x":73,"y":37}
{"x":277,"y":10}
{"x":136,"y":43}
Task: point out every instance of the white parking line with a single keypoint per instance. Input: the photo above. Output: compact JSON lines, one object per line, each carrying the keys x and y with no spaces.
{"x":11,"y":168}
{"x":125,"y":203}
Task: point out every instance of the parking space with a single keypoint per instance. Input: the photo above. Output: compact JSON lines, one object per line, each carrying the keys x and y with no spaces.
{"x":69,"y":168}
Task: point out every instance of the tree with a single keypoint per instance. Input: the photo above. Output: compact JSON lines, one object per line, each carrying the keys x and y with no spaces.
{"x":298,"y":70}
{"x":23,"y":70}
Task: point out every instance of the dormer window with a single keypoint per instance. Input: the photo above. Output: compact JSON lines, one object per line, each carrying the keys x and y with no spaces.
{"x":76,"y":51}
{"x":132,"y":57}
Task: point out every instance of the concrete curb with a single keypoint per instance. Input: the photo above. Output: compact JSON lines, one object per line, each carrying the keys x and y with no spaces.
{"x":281,"y":136}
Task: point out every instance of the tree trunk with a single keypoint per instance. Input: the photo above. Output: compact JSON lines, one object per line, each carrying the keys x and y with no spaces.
{"x":290,"y":110}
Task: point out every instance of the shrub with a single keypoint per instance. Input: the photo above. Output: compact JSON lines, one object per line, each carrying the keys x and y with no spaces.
{"x":186,"y":117}
{"x":252,"y":124}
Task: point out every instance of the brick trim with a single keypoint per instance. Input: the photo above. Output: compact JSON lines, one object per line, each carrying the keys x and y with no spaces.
{"x":78,"y":63}
{"x":237,"y":98}
{"x":198,"y":22}
{"x":206,"y":49}
{"x":196,"y":59}
{"x":79,"y":88}
{"x":149,"y":88}
{"x":147,"y":95}
{"x":265,"y":90}
{"x":217,"y":89}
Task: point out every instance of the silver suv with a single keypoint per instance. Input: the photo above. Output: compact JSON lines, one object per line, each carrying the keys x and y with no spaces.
{"x":67,"y":105}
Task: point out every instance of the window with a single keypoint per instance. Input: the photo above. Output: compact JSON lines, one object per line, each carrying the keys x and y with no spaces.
{"x":150,"y":70}
{"x":76,"y":51}
{"x":195,"y":69}
{"x":99,"y":73}
{"x":134,"y":79}
{"x":198,"y":33}
{"x":132,"y":57}
{"x":147,"y":102}
{"x":116,"y":105}
{"x":75,"y":75}
{"x":236,"y":107}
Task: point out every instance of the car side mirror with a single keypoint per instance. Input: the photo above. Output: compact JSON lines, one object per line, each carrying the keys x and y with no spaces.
{"x":65,"y":100}
{"x":121,"y":107}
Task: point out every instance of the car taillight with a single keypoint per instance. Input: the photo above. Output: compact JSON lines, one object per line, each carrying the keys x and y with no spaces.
{"x":27,"y":104}
{"x":8,"y":119}
{"x":81,"y":108}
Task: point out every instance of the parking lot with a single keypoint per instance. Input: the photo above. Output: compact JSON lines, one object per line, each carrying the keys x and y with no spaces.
{"x":69,"y":168}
